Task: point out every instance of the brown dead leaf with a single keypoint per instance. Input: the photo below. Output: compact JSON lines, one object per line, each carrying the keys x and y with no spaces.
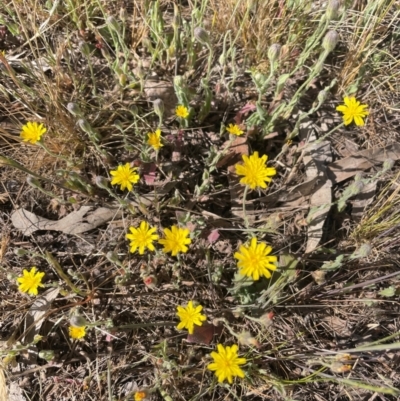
{"x":34,"y":320}
{"x":76,"y":222}
{"x":163,"y":90}
{"x":349,"y":166}
{"x":363,"y":199}
{"x":316,"y":157}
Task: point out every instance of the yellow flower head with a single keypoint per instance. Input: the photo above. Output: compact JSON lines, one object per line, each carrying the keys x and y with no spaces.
{"x":154,"y":139}
{"x":234,"y":129}
{"x":175,"y":240}
{"x":254,"y":260}
{"x":140,"y":395}
{"x":3,"y":52}
{"x":182,"y":111}
{"x":142,"y":237}
{"x":32,"y":132}
{"x":30,"y":281}
{"x":226,"y":363}
{"x":190,"y":315}
{"x":125,"y":176}
{"x":77,"y":333}
{"x":255,"y":171}
{"x":353,"y":110}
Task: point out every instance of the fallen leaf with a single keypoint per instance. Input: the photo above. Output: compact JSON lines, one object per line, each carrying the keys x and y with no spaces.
{"x":343,"y":169}
{"x":316,"y":157}
{"x":203,"y":334}
{"x":76,"y":222}
{"x":34,"y":320}
{"x":362,"y":200}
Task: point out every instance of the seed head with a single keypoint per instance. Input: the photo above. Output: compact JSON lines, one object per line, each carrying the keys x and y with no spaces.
{"x":330,"y":41}
{"x":74,"y":109}
{"x":332,"y":9}
{"x":78,"y":321}
{"x":201,"y":36}
{"x":158,"y":105}
{"x":113,"y":23}
{"x":274,"y":52}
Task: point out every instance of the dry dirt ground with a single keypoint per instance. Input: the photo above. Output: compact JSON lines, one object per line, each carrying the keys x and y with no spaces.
{"x":324,"y":327}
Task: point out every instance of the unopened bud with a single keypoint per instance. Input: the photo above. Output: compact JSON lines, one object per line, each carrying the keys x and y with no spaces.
{"x":150,"y":281}
{"x":102,"y":182}
{"x":338,"y":367}
{"x":322,"y":95}
{"x":113,"y":257}
{"x":245,"y":338}
{"x":267,"y":319}
{"x":201,"y":36}
{"x":33,"y":182}
{"x":113,"y":23}
{"x":388,"y":164}
{"x":274,"y":52}
{"x":158,"y":105}
{"x":20,"y":252}
{"x":330,"y":41}
{"x":74,"y":109}
{"x":46,"y":354}
{"x":123,"y":15}
{"x":332,"y":9}
{"x":122,"y":79}
{"x":78,"y":321}
{"x":85,"y":125}
{"x":84,"y":48}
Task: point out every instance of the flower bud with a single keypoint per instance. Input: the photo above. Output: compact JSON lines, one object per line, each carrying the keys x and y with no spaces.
{"x":201,"y":36}
{"x":33,"y":182}
{"x":74,"y":109}
{"x":78,"y":321}
{"x":332,"y":9}
{"x":388,"y":164}
{"x":84,"y":48}
{"x":85,"y":125}
{"x":150,"y":281}
{"x":102,"y":182}
{"x":113,"y":23}
{"x":245,"y":338}
{"x":330,"y":41}
{"x":274,"y":52}
{"x":122,"y":79}
{"x":113,"y":257}
{"x":123,"y":15}
{"x":20,"y":252}
{"x":322,"y":95}
{"x":46,"y":354}
{"x":158,"y":105}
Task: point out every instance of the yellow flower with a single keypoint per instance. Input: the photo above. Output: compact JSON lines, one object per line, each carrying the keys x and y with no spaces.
{"x":140,"y":395}
{"x":125,"y":176}
{"x":226,"y":363}
{"x":190,"y":316}
{"x":255,"y":171}
{"x":32,"y":132}
{"x":175,"y":240}
{"x":182,"y":111}
{"x":3,"y":52}
{"x":253,"y":260}
{"x":353,"y":110}
{"x":154,"y":139}
{"x":142,"y":237}
{"x":234,"y":129}
{"x":30,"y":281}
{"x":77,"y":333}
